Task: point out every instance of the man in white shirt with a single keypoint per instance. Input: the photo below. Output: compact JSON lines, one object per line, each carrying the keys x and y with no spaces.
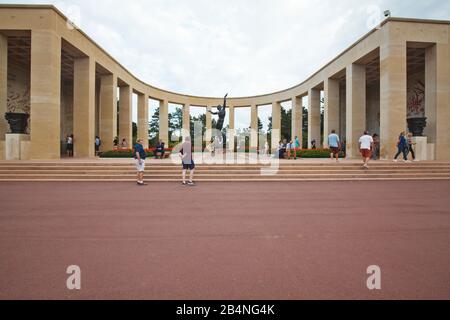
{"x":366,"y":146}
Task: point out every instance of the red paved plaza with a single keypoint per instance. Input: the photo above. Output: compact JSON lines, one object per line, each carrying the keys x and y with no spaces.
{"x":225,"y":240}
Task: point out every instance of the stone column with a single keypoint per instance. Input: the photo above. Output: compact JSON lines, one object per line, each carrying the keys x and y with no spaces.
{"x":3,"y":93}
{"x":231,"y":130}
{"x":187,"y":118}
{"x":442,"y":101}
{"x":297,"y":119}
{"x":208,"y":133}
{"x":356,"y":107}
{"x":125,"y":120}
{"x":84,"y":107}
{"x":254,"y":127}
{"x":3,"y":87}
{"x":392,"y":95}
{"x":331,"y":109}
{"x":45,"y":92}
{"x":437,"y":100}
{"x":314,"y":117}
{"x":164,"y":121}
{"x":108,"y":111}
{"x":142,"y":125}
{"x":276,"y":126}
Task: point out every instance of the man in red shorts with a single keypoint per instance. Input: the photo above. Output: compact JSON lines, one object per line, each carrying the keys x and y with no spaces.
{"x":334,"y":143}
{"x":366,"y":146}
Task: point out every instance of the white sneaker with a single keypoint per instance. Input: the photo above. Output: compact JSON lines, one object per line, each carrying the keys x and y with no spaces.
{"x":395,"y":160}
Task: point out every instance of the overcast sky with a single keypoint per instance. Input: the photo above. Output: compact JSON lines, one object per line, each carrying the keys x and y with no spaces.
{"x":244,"y":47}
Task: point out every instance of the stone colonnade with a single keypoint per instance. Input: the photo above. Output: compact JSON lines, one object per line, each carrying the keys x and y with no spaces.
{"x":345,"y":75}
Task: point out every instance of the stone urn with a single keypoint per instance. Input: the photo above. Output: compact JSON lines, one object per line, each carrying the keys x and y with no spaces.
{"x":18,"y":122}
{"x":417,"y":125}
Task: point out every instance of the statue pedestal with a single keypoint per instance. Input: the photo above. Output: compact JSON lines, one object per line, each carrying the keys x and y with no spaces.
{"x":17,"y":146}
{"x":421,"y":148}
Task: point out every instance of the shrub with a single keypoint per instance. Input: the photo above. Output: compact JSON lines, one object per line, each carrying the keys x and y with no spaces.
{"x":128,"y":153}
{"x":304,"y":153}
{"x":316,"y":153}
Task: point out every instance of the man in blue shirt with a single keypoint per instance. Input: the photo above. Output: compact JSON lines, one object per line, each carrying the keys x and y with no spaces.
{"x":334,"y":144}
{"x":139,"y":156}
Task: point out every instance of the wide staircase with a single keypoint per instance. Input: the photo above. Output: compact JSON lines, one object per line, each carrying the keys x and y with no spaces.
{"x":290,"y":171}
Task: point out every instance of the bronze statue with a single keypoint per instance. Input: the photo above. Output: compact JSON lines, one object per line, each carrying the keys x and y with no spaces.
{"x":222,"y":112}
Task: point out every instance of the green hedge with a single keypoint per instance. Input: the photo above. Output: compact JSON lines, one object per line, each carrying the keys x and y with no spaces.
{"x":122,"y":154}
{"x":317,"y":153}
{"x":305,"y":153}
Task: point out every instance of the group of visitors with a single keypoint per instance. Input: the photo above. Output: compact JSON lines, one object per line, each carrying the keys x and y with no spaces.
{"x":369,"y":146}
{"x":70,"y":145}
{"x":288,"y":149}
{"x":185,"y":154}
{"x":123,"y":145}
{"x":405,"y":145}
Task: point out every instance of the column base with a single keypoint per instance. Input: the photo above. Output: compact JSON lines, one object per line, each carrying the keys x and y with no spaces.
{"x":17,"y":146}
{"x":431,"y":151}
{"x":420,"y":148}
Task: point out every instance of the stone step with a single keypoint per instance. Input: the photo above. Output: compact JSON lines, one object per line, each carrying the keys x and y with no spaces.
{"x":202,"y":171}
{"x":209,"y":167}
{"x":247,"y":165}
{"x":368,"y":178}
{"x":226,"y":176}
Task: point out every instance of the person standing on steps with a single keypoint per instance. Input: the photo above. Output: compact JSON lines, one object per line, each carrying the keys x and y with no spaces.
{"x":365,"y":147}
{"x":296,"y":146}
{"x":139,"y":156}
{"x":334,"y":143}
{"x":70,"y":146}
{"x":187,"y":161}
{"x":98,"y":143}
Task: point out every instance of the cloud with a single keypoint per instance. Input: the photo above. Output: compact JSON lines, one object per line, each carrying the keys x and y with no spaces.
{"x":250,"y":47}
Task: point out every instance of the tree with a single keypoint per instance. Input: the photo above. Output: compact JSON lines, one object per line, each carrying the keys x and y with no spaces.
{"x":153,"y":129}
{"x":286,"y":124}
{"x":260,"y":124}
{"x":175,"y":124}
{"x":200,"y":118}
{"x":135,"y":129}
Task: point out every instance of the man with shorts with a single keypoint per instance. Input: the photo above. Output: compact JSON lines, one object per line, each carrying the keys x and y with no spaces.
{"x":334,"y":144}
{"x":187,"y":161}
{"x":139,"y":156}
{"x":366,"y":146}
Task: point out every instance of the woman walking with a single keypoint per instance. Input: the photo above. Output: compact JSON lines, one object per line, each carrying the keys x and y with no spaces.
{"x":402,"y":146}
